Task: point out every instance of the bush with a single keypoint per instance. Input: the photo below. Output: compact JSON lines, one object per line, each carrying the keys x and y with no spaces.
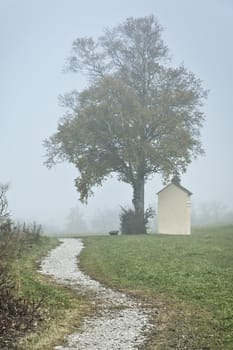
{"x":130,"y":222}
{"x":17,"y":315}
{"x":113,"y":233}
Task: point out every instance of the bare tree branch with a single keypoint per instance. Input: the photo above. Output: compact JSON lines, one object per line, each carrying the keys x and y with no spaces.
{"x":4,"y":213}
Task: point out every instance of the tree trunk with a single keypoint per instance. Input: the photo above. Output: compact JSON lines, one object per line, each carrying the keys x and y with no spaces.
{"x":138,"y":202}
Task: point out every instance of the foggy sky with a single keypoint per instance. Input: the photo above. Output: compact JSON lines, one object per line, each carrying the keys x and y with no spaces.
{"x":36,"y":38}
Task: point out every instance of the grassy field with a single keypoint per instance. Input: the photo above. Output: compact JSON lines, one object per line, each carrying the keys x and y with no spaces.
{"x":62,"y":309}
{"x":188,"y":278}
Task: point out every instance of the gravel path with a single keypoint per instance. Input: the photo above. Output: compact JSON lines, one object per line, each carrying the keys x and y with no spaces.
{"x":121,"y":324}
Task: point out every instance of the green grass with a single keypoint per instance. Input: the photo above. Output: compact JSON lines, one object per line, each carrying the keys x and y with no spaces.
{"x":190,"y":278}
{"x":62,"y":308}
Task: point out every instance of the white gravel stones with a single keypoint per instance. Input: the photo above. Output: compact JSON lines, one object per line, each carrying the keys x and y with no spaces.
{"x":121,"y":324}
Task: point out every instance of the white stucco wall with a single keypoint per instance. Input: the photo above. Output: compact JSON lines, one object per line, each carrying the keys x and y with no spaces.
{"x":174,"y":211}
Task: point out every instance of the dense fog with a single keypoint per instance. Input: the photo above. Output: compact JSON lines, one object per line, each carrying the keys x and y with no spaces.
{"x":36,"y":39}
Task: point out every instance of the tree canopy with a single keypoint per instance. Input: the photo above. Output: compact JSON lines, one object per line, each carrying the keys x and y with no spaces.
{"x":138,"y":116}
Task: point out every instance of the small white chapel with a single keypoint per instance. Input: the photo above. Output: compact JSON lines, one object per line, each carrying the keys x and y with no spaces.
{"x":174,"y":209}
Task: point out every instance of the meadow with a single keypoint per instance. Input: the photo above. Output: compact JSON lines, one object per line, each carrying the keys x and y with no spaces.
{"x":188,"y":278}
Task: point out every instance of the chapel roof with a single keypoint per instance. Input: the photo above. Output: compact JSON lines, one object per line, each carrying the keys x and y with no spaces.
{"x":177,"y":185}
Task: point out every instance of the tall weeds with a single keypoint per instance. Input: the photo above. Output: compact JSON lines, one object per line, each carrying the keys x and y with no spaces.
{"x":17,"y":315}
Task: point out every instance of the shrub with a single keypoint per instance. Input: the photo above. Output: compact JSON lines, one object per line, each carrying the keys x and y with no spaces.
{"x":113,"y":233}
{"x":17,"y":315}
{"x":130,"y":222}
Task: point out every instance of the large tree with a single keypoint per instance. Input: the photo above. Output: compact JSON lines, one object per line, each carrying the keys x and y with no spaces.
{"x":138,"y":116}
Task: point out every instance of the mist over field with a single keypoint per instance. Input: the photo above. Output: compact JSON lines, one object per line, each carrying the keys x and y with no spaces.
{"x":36,"y":39}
